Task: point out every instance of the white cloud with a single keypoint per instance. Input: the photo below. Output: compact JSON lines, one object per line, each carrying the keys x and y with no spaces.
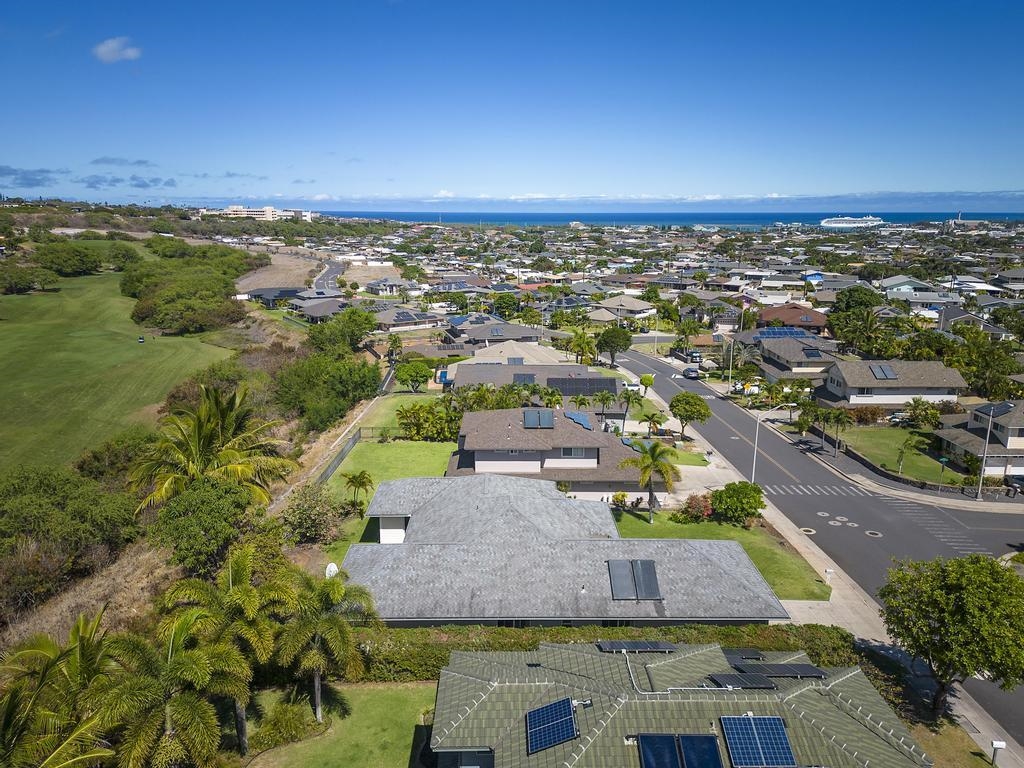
{"x":115,"y":49}
{"x":444,"y":193}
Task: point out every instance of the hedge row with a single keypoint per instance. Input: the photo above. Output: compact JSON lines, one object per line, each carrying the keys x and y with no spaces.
{"x":407,"y":655}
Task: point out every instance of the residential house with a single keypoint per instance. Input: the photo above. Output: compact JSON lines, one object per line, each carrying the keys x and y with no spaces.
{"x":652,"y":704}
{"x":1011,"y":280}
{"x":890,"y":383}
{"x":393,"y":286}
{"x":395,"y":319}
{"x":495,"y":549}
{"x":950,"y":316}
{"x":904,"y":284}
{"x":964,"y":434}
{"x":569,"y":447}
{"x":793,"y":315}
{"x":627,"y":307}
{"x":925,"y":300}
{"x":799,"y":357}
{"x":272,"y":297}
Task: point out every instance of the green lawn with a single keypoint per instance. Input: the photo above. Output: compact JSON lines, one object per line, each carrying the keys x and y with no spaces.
{"x":391,"y":461}
{"x":881,"y":444}
{"x":383,"y":413}
{"x":378,"y":732}
{"x":74,"y":372}
{"x":787,"y":573}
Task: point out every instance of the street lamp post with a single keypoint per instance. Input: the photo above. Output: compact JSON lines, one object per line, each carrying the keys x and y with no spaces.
{"x":1006,"y":406}
{"x":732,"y":346}
{"x":757,"y":429}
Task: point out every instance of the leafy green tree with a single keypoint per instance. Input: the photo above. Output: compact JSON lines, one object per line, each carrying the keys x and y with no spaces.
{"x":201,"y":522}
{"x":962,"y":617}
{"x":921,"y":413}
{"x":505,"y":305}
{"x":737,"y":503}
{"x":343,"y":333}
{"x":646,"y":381}
{"x":317,"y":638}
{"x":687,"y":329}
{"x":322,"y":389}
{"x":120,"y":255}
{"x":111,"y":461}
{"x":243,"y":611}
{"x":220,"y":440}
{"x":67,"y":259}
{"x":857,"y":297}
{"x":689,"y":407}
{"x":614,"y":340}
{"x":413,"y":374}
{"x":159,"y":699}
{"x":531,"y":316}
{"x":653,"y":459}
{"x":311,"y":514}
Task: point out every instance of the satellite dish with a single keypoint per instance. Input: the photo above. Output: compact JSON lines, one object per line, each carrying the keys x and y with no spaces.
{"x":332,"y":571}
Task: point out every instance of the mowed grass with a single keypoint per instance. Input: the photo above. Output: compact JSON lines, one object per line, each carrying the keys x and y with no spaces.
{"x":74,"y":372}
{"x":384,"y":412}
{"x":379,"y":730}
{"x":882,"y":444}
{"x":788,"y":574}
{"x":391,"y":461}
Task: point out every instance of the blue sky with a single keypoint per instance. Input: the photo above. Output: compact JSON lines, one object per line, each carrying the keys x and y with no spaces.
{"x":427,"y":104}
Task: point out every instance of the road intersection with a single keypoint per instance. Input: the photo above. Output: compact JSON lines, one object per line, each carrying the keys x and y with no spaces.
{"x":863,"y":528}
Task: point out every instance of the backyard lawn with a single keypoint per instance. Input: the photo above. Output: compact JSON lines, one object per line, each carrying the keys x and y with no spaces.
{"x":378,"y":731}
{"x":881,"y":444}
{"x":74,"y":372}
{"x":787,"y":573}
{"x":383,"y":413}
{"x":391,"y":461}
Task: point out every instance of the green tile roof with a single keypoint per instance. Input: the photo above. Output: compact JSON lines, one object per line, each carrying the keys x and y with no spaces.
{"x":482,"y":700}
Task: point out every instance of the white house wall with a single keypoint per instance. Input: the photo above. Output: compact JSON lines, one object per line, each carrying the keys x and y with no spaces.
{"x":392,"y":530}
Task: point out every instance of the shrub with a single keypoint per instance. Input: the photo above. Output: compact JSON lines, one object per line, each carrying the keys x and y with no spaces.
{"x":286,"y":722}
{"x":619,"y":499}
{"x":311,"y":515}
{"x":696,"y":508}
{"x":737,"y":503}
{"x":867,"y":414}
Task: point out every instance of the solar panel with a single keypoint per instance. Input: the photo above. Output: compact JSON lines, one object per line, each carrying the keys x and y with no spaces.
{"x":783,"y":670}
{"x":547,"y":418}
{"x":812,"y":353}
{"x":700,"y":751}
{"x":658,"y":750}
{"x":888,"y":371}
{"x":531,"y":419}
{"x":549,"y":725}
{"x":635,"y":646}
{"x":743,"y":653}
{"x":582,"y":385}
{"x":620,"y":573}
{"x":646,"y":578}
{"x":876,"y":371}
{"x":750,"y":681}
{"x":757,"y":742}
{"x":579,"y":418}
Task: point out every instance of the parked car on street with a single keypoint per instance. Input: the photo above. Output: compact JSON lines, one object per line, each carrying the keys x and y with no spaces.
{"x":691,"y":373}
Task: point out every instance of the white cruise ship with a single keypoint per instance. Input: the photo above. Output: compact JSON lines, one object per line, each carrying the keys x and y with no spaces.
{"x":851,"y":222}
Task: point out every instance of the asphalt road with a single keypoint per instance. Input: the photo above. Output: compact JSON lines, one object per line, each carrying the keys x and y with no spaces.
{"x":862,"y":532}
{"x":328,"y":279}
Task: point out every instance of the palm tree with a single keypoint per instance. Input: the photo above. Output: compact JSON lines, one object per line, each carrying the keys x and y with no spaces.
{"x":604,"y":398}
{"x":551,"y":397}
{"x":653,"y":421}
{"x":317,"y":638}
{"x":244,"y":610}
{"x":913,"y":444}
{"x":44,"y":719}
{"x":394,"y":347}
{"x":160,"y":696}
{"x":579,"y":401}
{"x":358,"y":482}
{"x":583,"y":346}
{"x":687,"y":329}
{"x":629,"y":399}
{"x":841,"y":419}
{"x":653,"y":458}
{"x":220,"y":440}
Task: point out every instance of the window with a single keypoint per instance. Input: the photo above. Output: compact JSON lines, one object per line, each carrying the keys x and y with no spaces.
{"x":572,"y":453}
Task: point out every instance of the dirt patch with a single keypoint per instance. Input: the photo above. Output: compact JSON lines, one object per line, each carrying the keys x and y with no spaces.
{"x":126,"y":587}
{"x":285,"y":270}
{"x":359,"y":273}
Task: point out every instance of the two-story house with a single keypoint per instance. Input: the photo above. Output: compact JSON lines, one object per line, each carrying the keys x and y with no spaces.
{"x":796,"y":357}
{"x":964,"y":435}
{"x":628,"y":307}
{"x":890,"y":383}
{"x":569,"y":447}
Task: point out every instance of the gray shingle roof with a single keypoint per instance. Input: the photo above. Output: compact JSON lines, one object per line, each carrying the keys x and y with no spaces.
{"x":482,"y":699}
{"x":909,"y":373}
{"x":504,"y":430}
{"x":493,"y":547}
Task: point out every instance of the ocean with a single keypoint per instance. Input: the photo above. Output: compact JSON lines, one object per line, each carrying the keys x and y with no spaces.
{"x":743,"y":221}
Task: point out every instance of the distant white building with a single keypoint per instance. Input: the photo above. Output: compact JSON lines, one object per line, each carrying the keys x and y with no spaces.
{"x":266,"y":213}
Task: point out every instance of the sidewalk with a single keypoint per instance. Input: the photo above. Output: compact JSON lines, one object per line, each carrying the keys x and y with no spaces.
{"x":853,"y":609}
